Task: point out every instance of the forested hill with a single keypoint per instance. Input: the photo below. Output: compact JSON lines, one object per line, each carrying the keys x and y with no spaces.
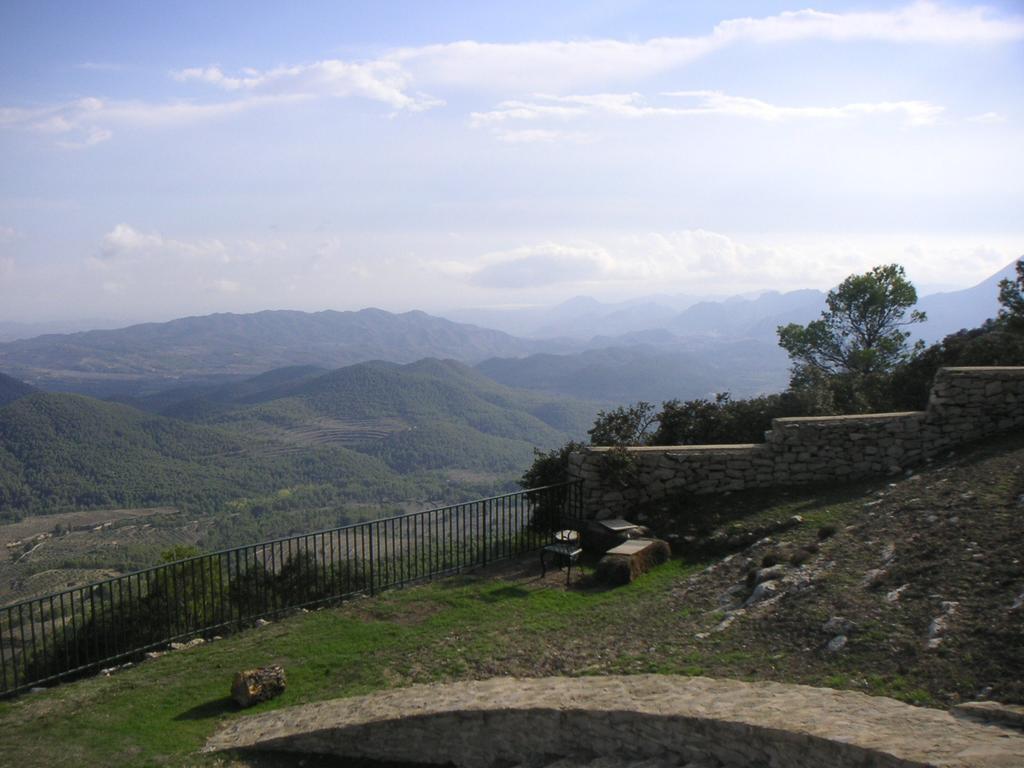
{"x":426,"y":415}
{"x":11,"y":389}
{"x":253,"y":343}
{"x":375,"y":431}
{"x":62,"y":451}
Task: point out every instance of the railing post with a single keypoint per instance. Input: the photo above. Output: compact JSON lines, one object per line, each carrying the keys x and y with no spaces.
{"x":483,"y":533}
{"x":371,"y":557}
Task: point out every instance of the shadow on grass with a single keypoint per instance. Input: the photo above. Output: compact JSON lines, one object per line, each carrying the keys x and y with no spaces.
{"x":504,"y":593}
{"x":209,"y":709}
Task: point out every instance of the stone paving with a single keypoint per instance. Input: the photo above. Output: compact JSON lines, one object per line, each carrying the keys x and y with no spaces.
{"x":655,"y":718}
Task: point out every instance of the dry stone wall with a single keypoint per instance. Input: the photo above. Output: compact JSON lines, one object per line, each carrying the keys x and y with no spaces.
{"x":965,"y":404}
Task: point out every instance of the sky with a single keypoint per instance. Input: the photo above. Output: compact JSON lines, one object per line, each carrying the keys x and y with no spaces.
{"x":160,"y":160}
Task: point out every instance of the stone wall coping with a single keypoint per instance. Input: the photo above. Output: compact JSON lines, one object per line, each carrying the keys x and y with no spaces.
{"x":724,"y":448}
{"x":481,"y":723}
{"x":846,"y":417}
{"x":743,"y":447}
{"x":994,"y":370}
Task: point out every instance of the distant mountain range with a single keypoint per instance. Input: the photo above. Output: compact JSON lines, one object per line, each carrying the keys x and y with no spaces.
{"x":748,"y":318}
{"x":953,"y":311}
{"x":194,"y":348}
{"x":656,"y":347}
{"x":582,"y":317}
{"x":593,"y":322}
{"x":11,"y":331}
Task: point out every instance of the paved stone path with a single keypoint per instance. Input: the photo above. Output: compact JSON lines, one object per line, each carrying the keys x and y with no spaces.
{"x":674,"y":720}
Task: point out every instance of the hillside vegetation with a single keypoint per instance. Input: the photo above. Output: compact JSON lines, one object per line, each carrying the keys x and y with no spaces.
{"x":374,"y":431}
{"x":880,"y":563}
{"x":11,"y":389}
{"x":60,"y":452}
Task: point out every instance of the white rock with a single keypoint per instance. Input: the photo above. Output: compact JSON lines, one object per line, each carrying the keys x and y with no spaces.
{"x":874,"y":577}
{"x":837,"y":643}
{"x":762,"y":591}
{"x":894,"y":595}
{"x":937,"y":626}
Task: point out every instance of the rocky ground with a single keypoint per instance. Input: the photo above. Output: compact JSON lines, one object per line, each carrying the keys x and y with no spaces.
{"x":921,"y":585}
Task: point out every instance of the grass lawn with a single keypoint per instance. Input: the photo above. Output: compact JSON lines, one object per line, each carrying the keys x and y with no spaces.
{"x":162,"y":711}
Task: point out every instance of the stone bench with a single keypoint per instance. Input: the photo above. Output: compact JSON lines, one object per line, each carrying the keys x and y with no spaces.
{"x":623,"y":563}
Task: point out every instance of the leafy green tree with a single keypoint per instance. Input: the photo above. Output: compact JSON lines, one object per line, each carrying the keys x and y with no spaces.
{"x":842,"y":362}
{"x":622,"y":426}
{"x":1011,"y":297}
{"x":861,"y":331}
{"x":619,"y":427}
{"x":549,"y":467}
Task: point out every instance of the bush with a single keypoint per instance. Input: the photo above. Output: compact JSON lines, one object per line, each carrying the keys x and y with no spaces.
{"x":994,"y":343}
{"x":723,"y":420}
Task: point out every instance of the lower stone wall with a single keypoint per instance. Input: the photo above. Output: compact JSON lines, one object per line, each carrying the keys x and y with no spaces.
{"x":965,"y":404}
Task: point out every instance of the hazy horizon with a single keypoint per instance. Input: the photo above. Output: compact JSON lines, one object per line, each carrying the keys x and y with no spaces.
{"x":162,"y":162}
{"x":473,"y":315}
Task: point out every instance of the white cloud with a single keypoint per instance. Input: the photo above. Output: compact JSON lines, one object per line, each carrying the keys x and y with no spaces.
{"x":987,"y":118}
{"x":7,"y":234}
{"x":93,"y":135}
{"x":124,"y":238}
{"x":86,"y":122}
{"x":402,"y":78}
{"x":543,"y":264}
{"x":226,"y":286}
{"x":143,"y":114}
{"x":559,"y":65}
{"x":563,"y":109}
{"x":716,"y":103}
{"x":920,"y":22}
{"x":212,"y":75}
{"x":652,"y":259}
{"x":524,"y":110}
{"x":124,"y":245}
{"x":382,"y":80}
{"x":703,"y":261}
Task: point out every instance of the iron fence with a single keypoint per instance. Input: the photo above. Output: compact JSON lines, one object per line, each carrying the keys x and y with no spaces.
{"x":84,"y":629}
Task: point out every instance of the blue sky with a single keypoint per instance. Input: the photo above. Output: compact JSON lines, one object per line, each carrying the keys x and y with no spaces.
{"x":165,"y":160}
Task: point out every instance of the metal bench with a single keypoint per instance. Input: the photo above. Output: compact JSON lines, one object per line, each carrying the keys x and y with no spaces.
{"x":565,"y":548}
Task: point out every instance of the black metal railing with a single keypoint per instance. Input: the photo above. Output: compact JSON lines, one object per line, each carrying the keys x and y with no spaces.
{"x":81,"y":630}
